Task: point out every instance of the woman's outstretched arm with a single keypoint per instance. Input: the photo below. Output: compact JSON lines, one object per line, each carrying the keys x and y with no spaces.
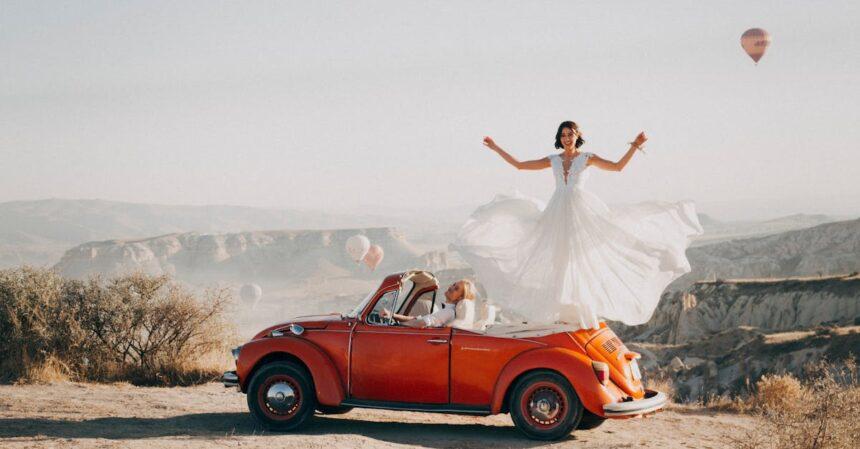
{"x":537,"y":164}
{"x":603,"y":164}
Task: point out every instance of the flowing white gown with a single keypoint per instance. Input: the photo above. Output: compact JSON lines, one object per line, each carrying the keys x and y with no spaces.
{"x":576,"y":260}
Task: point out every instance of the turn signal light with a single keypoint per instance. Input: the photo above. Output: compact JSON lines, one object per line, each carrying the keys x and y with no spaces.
{"x":601,"y":370}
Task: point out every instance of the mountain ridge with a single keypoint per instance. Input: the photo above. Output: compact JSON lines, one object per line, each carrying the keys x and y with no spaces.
{"x":239,"y":257}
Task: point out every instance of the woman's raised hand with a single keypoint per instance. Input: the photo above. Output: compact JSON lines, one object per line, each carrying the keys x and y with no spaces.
{"x":640,"y":139}
{"x":490,"y":143}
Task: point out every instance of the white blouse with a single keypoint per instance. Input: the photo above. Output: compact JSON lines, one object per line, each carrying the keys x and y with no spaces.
{"x":461,"y":316}
{"x":465,"y":315}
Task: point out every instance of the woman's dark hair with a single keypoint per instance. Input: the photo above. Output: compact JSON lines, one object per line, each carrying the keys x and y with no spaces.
{"x":569,"y":125}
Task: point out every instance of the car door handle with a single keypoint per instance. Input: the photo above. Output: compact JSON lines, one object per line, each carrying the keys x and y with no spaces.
{"x":437,"y":341}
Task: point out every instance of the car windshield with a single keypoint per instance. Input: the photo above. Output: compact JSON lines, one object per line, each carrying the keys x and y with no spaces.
{"x":361,"y":305}
{"x":403,"y":294}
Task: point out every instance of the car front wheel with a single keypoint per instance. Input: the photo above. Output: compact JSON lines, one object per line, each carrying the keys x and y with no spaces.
{"x":281,"y":396}
{"x":544,"y":406}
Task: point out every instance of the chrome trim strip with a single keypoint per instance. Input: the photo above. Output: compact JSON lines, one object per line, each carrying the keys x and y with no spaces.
{"x":652,"y":403}
{"x":478,"y":334}
{"x":364,"y":331}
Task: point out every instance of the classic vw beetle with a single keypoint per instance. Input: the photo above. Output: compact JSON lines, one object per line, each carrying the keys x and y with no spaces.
{"x":552,"y":379}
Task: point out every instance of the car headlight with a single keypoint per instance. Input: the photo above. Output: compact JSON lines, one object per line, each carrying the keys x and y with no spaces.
{"x":235,"y":351}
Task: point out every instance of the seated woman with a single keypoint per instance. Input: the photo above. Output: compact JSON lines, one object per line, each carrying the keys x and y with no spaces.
{"x":458,"y":310}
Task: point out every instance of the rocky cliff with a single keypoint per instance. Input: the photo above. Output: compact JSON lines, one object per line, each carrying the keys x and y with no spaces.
{"x":39,"y":232}
{"x":721,"y":231}
{"x":728,"y":362}
{"x":769,"y":305}
{"x":831,"y":248}
{"x":240,"y":256}
{"x":715,"y":337}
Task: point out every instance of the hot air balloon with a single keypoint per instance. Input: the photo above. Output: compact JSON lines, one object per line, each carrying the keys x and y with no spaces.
{"x":251,"y":294}
{"x":373,"y":257}
{"x":357,"y":246}
{"x":755,"y":42}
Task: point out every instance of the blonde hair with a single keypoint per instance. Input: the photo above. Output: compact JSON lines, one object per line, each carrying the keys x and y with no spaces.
{"x":469,"y":290}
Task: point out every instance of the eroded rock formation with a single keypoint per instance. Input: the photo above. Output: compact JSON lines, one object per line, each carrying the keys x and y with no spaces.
{"x":237,"y":256}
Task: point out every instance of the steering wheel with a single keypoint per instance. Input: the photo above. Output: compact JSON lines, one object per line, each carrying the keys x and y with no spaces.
{"x":374,"y":317}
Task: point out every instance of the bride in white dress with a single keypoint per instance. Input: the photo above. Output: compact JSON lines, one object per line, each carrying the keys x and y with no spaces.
{"x":576,"y":260}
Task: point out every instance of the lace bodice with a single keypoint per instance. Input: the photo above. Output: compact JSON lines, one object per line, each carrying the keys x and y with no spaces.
{"x":575,"y":176}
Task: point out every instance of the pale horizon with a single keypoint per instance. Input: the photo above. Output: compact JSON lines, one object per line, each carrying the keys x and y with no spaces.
{"x":341,"y":107}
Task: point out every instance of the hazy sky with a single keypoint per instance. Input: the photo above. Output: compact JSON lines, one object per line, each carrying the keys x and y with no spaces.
{"x":334,"y":106}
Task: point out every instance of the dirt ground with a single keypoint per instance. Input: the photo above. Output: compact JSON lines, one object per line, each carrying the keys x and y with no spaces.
{"x":70,"y":415}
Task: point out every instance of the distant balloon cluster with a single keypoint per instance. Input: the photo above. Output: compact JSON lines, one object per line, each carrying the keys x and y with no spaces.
{"x":360,"y":250}
{"x":755,"y":42}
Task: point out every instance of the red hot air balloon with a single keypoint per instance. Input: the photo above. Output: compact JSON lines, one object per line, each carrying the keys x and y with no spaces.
{"x":374,"y":256}
{"x":755,"y":42}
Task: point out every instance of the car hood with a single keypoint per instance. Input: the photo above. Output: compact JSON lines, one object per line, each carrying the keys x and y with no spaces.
{"x":307,"y":322}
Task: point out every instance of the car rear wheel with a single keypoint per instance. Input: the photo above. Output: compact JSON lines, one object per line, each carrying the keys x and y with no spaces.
{"x":281,"y":396}
{"x":544,"y":406}
{"x":589,"y":421}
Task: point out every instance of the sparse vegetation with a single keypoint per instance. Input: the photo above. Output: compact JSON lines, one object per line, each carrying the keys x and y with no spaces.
{"x":777,"y":392}
{"x":726,"y":403}
{"x":137,"y":328}
{"x":820,"y":412}
{"x":661,"y":382}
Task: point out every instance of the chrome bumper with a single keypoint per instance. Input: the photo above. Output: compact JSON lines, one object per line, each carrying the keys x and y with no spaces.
{"x":230,"y":379}
{"x":653,"y":401}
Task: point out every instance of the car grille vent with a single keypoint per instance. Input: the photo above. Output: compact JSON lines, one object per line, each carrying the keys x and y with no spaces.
{"x":611,"y":345}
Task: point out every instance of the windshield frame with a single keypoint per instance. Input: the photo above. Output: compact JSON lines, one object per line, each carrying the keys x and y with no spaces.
{"x":361,"y":305}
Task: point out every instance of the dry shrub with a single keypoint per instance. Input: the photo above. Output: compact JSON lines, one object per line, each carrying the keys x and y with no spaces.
{"x":137,"y":328}
{"x":661,"y":382}
{"x":825,"y":417}
{"x":39,"y":326}
{"x":50,"y":370}
{"x":155,"y":332}
{"x":726,"y":403}
{"x":777,"y":392}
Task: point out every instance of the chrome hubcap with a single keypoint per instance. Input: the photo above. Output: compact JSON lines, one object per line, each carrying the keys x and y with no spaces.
{"x":280,"y":397}
{"x":545,"y":406}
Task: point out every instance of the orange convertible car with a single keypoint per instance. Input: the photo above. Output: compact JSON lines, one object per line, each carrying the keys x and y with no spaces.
{"x":550,"y":378}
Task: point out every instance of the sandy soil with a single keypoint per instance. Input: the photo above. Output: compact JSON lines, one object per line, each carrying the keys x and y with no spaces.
{"x":70,"y":415}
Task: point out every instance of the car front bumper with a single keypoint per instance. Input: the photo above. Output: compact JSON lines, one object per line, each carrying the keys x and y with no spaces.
{"x":230,"y":379}
{"x":653,"y":401}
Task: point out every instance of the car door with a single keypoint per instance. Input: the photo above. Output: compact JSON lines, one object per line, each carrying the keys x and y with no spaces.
{"x":399,"y":364}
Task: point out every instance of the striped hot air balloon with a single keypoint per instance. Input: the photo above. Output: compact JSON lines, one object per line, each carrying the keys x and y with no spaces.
{"x":755,"y":42}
